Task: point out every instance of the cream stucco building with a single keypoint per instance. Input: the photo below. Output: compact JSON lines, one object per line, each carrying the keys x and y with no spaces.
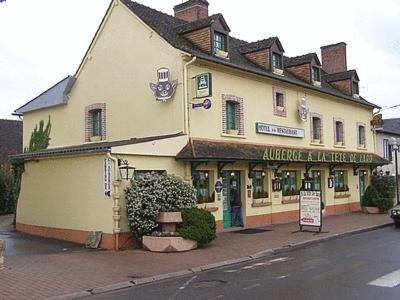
{"x":179,"y":94}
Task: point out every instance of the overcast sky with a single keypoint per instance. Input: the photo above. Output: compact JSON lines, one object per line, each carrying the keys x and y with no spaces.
{"x":42,"y":41}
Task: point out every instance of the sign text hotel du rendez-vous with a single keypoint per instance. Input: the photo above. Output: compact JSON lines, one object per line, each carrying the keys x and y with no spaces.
{"x":299,"y":155}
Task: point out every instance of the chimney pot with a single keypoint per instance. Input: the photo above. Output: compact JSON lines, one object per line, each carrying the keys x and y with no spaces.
{"x":192,"y":10}
{"x":334,"y":58}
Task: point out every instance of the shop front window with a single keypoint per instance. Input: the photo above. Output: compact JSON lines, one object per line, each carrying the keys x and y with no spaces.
{"x":340,"y":181}
{"x":201,"y":182}
{"x":259,"y":185}
{"x":289,"y":183}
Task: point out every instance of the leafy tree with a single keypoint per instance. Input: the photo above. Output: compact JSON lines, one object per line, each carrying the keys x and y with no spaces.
{"x":40,"y":138}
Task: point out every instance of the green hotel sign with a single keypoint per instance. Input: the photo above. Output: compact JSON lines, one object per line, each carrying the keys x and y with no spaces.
{"x":300,"y":155}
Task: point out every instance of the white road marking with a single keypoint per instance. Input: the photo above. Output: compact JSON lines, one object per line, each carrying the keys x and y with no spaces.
{"x":251,"y":287}
{"x":230,"y":271}
{"x":281,"y":277}
{"x":308,"y":268}
{"x":247,"y":267}
{"x":188,"y":282}
{"x":259,"y":264}
{"x":217,"y":297}
{"x":280,"y":259}
{"x":390,"y":280}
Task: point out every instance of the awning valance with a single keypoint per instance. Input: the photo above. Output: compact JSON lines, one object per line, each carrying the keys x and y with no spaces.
{"x":206,"y":150}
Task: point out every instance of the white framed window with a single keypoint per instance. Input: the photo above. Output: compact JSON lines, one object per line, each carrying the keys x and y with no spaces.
{"x":279,"y":100}
{"x":317,"y":136}
{"x":361,"y":139}
{"x":338,"y":127}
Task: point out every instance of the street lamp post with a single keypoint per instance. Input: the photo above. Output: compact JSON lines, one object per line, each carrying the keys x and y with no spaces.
{"x":395,"y":142}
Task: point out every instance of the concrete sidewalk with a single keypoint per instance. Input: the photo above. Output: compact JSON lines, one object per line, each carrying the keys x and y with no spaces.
{"x":47,"y":275}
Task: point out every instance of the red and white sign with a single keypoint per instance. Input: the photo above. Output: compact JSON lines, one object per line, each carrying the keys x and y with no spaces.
{"x":310,"y":208}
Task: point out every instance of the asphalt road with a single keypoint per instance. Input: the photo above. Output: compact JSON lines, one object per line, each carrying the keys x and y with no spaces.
{"x":364,"y":266}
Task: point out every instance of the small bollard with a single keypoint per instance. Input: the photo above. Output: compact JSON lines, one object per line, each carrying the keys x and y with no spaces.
{"x":2,"y":249}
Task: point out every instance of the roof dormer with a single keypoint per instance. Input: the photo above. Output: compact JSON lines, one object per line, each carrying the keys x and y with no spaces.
{"x":306,"y":67}
{"x":346,"y":82}
{"x":267,"y":54}
{"x":210,"y":34}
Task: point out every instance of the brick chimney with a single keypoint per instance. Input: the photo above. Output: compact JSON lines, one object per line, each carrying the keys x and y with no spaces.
{"x":334,"y":58}
{"x":192,"y":10}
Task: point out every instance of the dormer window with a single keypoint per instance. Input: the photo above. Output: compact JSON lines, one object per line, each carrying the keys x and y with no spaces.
{"x":220,"y":41}
{"x":277,"y":63}
{"x":315,"y":73}
{"x":355,"y":89}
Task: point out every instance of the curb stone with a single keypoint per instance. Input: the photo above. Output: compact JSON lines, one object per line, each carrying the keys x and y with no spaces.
{"x":112,"y":287}
{"x":77,"y":295}
{"x":261,"y":254}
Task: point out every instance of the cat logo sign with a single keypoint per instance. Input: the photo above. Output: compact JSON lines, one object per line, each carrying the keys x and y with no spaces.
{"x":165,"y":88}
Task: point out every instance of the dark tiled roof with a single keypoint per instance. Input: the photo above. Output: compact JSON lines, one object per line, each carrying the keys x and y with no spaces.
{"x":56,"y":95}
{"x":101,"y":147}
{"x":200,"y":24}
{"x":341,"y":76}
{"x":10,"y":138}
{"x":206,"y":150}
{"x":391,"y":126}
{"x":300,"y":60}
{"x":259,"y":45}
{"x":165,"y":25}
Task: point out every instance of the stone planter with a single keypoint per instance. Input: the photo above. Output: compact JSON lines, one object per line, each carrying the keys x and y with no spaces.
{"x":168,"y":221}
{"x":168,"y":244}
{"x":370,"y":210}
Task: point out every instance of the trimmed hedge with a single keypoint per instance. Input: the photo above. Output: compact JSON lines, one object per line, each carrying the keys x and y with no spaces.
{"x":198,"y":225}
{"x":7,"y":191}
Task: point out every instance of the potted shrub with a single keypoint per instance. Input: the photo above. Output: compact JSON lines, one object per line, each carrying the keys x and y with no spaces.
{"x":198,"y":225}
{"x":370,"y":199}
{"x":153,"y":194}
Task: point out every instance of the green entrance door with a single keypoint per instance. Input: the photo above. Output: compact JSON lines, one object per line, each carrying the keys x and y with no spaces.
{"x":229,"y":179}
{"x":362,"y":182}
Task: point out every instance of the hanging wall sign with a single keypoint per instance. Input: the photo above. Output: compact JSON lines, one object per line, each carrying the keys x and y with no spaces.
{"x":203,"y":85}
{"x":279,"y":130}
{"x":303,"y":111}
{"x":206,"y":104}
{"x":107,"y":177}
{"x":165,"y":88}
{"x":310,"y":209}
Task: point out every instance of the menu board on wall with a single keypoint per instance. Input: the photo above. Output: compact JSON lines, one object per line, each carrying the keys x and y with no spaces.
{"x":310,"y":209}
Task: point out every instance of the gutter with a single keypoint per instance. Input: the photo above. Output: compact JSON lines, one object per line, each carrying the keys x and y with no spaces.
{"x":116,"y":202}
{"x":186,"y":95}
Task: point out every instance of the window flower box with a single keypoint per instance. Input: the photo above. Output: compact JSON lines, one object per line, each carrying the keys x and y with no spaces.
{"x":232,"y":131}
{"x":278,"y":71}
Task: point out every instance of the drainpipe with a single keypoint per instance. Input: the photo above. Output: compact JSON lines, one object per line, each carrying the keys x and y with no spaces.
{"x":116,"y":203}
{"x":186,"y":95}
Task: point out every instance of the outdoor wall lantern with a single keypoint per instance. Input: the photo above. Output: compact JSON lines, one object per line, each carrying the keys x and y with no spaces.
{"x":330,"y":182}
{"x":276,"y":185}
{"x":127,"y":172}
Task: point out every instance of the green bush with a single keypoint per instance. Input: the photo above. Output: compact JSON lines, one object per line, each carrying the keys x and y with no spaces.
{"x":7,"y":191}
{"x":371,"y":196}
{"x":385,"y":185}
{"x":384,"y":204}
{"x":154,"y":193}
{"x":198,"y":225}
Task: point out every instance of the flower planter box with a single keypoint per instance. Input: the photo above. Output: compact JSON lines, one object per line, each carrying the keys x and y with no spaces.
{"x":342,"y":195}
{"x":370,"y":210}
{"x":169,"y":217}
{"x":168,"y":244}
{"x":290,"y":199}
{"x":211,"y":209}
{"x":261,"y":204}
